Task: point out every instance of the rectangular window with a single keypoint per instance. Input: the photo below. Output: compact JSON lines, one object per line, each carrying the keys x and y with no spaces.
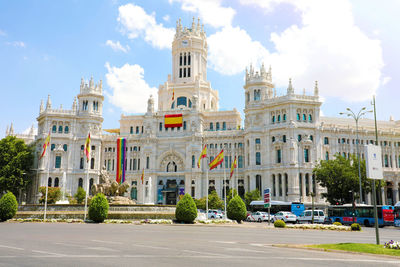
{"x":278,"y":156}
{"x":108,"y":164}
{"x":147,"y":162}
{"x":137,"y":129}
{"x":131,"y":131}
{"x":258,"y":141}
{"x":226,"y":162}
{"x":58,"y":162}
{"x":306,"y":155}
{"x":113,"y":165}
{"x":184,"y":125}
{"x":217,"y":126}
{"x":223,"y":126}
{"x":180,"y":72}
{"x":81,"y":164}
{"x":326,"y":141}
{"x":258,"y":158}
{"x":240,"y":161}
{"x":188,"y":73}
{"x":134,"y":164}
{"x":184,"y":72}
{"x":160,"y":128}
{"x":211,"y":126}
{"x":193,"y":161}
{"x":138,"y":164}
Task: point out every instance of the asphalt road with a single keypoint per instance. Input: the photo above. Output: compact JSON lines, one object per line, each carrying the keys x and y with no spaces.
{"x":62,"y":244}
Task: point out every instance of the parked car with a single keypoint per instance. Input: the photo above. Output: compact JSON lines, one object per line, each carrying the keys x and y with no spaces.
{"x":306,"y":216}
{"x":285,"y":216}
{"x":257,"y":216}
{"x":215,"y":214}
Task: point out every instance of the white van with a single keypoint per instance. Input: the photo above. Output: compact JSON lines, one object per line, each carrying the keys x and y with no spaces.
{"x":306,"y":216}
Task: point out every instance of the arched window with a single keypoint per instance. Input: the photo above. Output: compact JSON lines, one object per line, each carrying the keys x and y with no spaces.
{"x":66,"y":129}
{"x":273,"y":185}
{"x":298,"y":116}
{"x":193,"y":161}
{"x":172,"y":167}
{"x":92,"y":163}
{"x":184,"y":59}
{"x":49,"y":182}
{"x":273,"y":119}
{"x":280,"y":184}
{"x":65,"y":147}
{"x":273,"y":139}
{"x":307,"y":178}
{"x":180,"y":59}
{"x":54,"y":129}
{"x":284,"y":117}
{"x":190,"y":102}
{"x":286,"y":184}
{"x":173,"y":105}
{"x":56,"y":182}
{"x":181,"y":101}
{"x":80,"y":182}
{"x":81,"y":163}
{"x":60,"y":129}
{"x":90,"y":185}
{"x":309,"y":117}
{"x":304,"y":117}
{"x":258,"y":183}
{"x":326,"y":155}
{"x":224,"y":126}
{"x":189,"y":60}
{"x":279,"y":118}
{"x":52,"y":147}
{"x":211,"y":126}
{"x":217,"y":126}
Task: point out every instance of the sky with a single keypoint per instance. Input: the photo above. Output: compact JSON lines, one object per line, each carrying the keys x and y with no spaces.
{"x":349,"y":46}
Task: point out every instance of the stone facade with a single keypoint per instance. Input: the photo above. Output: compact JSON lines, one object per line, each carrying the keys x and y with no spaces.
{"x":282,"y":140}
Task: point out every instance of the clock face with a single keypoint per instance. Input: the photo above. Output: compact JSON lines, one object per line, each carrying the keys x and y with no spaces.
{"x":185,"y":43}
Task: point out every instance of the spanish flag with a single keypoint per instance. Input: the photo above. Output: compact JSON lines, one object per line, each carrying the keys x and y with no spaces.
{"x":142,"y":177}
{"x":202,"y":155}
{"x":218,"y":160}
{"x":173,"y":120}
{"x":173,"y":94}
{"x":45,"y":145}
{"x":87,"y":147}
{"x":233,"y":167}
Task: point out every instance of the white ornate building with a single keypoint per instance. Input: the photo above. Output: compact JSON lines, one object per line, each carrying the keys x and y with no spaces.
{"x":282,"y":140}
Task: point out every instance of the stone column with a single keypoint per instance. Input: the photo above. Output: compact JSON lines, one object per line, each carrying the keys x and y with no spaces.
{"x":383,"y":195}
{"x":395,"y":193}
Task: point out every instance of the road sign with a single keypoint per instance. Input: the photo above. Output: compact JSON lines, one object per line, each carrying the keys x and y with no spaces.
{"x":267,"y":198}
{"x":374,"y":162}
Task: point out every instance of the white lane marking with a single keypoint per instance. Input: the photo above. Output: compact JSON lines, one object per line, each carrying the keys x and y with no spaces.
{"x":85,"y":247}
{"x":10,"y":247}
{"x":8,"y":256}
{"x":109,"y":242}
{"x":246,"y":250}
{"x":101,"y":248}
{"x":147,"y":246}
{"x":225,"y":242}
{"x":50,"y":253}
{"x":205,"y":253}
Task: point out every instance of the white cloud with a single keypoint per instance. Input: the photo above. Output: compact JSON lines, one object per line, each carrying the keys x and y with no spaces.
{"x":130,"y":91}
{"x":136,"y":22}
{"x":166,"y":18}
{"x":116,"y":46}
{"x":327,"y":47}
{"x":28,"y":130}
{"x":17,"y":44}
{"x":231,"y":50}
{"x":210,"y":11}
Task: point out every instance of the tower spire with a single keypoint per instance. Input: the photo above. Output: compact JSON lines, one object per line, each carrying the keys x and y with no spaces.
{"x":316,"y":90}
{"x":290,"y":90}
{"x":48,"y":104}
{"x":41,"y":106}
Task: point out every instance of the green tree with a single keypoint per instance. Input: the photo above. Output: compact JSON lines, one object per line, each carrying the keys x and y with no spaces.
{"x":53,"y":194}
{"x":8,"y":206}
{"x":236,"y":209}
{"x":200,"y":203}
{"x":186,"y":210}
{"x":98,"y":208}
{"x":229,"y":195}
{"x":16,"y":160}
{"x":80,"y":195}
{"x":340,"y":178}
{"x":250,"y":196}
{"x":214,"y":202}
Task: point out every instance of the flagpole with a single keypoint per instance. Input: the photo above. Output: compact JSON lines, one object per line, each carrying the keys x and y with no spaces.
{"x":143,"y":189}
{"x":224,"y":184}
{"x":47,"y":185}
{"x":207,"y":191}
{"x":87,"y":186}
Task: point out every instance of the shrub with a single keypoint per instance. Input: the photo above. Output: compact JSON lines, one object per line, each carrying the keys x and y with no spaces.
{"x":200,"y":203}
{"x":337,"y":223}
{"x":355,"y":227}
{"x":214,"y":202}
{"x":8,"y":206}
{"x":279,"y":224}
{"x":250,"y":196}
{"x":98,"y":209}
{"x":80,"y":195}
{"x":236,"y":209}
{"x":53,"y":194}
{"x":186,"y":210}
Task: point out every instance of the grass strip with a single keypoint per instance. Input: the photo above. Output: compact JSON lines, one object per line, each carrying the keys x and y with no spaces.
{"x":359,"y":247}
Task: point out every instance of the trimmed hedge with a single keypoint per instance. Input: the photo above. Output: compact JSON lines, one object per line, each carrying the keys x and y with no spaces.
{"x":236,"y":209}
{"x":355,"y":227}
{"x":279,"y":224}
{"x":337,"y":223}
{"x":98,"y":209}
{"x":186,"y":210}
{"x":8,"y":206}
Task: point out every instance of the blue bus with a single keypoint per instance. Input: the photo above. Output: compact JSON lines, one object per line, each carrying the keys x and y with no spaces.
{"x":295,"y":207}
{"x":397,"y":214}
{"x":362,"y":214}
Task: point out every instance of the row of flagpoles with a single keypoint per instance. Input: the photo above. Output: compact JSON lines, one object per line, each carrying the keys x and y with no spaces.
{"x":212,"y":165}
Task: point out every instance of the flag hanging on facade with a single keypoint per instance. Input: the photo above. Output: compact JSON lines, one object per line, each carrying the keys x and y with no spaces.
{"x":217,"y":161}
{"x":173,"y":120}
{"x":233,"y":167}
{"x":45,"y":145}
{"x":121,"y":160}
{"x":173,"y":94}
{"x":142,"y":177}
{"x":202,"y":155}
{"x":87,"y":147}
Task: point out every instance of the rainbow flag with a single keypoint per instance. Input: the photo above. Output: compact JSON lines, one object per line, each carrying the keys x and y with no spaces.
{"x":218,"y":160}
{"x":87,"y":147}
{"x":45,"y":145}
{"x":173,"y":120}
{"x":121,"y":156}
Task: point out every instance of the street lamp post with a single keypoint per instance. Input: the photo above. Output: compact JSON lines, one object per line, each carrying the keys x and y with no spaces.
{"x":350,"y":113}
